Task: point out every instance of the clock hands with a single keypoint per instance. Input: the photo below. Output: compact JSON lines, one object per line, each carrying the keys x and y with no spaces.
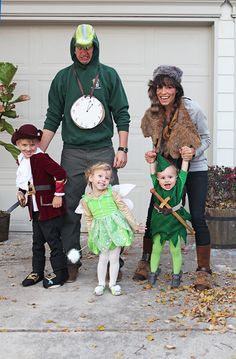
{"x":89,"y":105}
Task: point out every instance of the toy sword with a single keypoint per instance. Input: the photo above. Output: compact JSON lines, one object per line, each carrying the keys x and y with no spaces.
{"x":14,"y":206}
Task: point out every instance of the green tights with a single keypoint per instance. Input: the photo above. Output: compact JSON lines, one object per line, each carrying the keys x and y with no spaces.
{"x":157,"y":249}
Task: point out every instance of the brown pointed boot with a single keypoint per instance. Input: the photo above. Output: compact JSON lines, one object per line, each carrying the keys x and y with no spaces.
{"x":203,"y":274}
{"x":143,"y":268}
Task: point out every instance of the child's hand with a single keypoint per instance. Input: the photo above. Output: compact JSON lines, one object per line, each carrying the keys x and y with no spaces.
{"x":21,"y":198}
{"x":141,"y":228}
{"x":150,"y":156}
{"x":57,"y":201}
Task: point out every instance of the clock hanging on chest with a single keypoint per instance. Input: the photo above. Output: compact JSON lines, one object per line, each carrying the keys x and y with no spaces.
{"x":87,"y":112}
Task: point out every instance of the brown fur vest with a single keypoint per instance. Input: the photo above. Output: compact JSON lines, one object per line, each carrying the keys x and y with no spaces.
{"x":178,"y":133}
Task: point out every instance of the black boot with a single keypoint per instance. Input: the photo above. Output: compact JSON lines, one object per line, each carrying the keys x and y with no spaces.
{"x":60,"y":272}
{"x":152,"y":277}
{"x":56,"y":279}
{"x":176,"y":279}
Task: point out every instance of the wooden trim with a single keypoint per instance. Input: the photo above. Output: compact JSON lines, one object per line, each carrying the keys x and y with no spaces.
{"x":105,"y":10}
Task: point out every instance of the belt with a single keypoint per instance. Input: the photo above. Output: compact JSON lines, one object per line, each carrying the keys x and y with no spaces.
{"x":43,"y":187}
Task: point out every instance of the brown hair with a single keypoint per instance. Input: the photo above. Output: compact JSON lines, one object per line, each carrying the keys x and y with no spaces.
{"x":97,"y":166}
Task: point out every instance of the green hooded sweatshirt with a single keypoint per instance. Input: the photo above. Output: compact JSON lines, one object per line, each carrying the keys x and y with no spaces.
{"x":64,"y":91}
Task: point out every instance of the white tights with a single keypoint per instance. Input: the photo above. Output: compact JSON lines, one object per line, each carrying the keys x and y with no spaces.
{"x":106,"y":256}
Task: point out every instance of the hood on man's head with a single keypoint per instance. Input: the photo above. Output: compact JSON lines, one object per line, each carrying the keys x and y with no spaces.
{"x":84,"y":36}
{"x":26,"y":132}
{"x":171,"y":71}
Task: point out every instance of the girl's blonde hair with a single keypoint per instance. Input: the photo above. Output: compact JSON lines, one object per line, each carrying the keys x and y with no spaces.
{"x":97,"y":166}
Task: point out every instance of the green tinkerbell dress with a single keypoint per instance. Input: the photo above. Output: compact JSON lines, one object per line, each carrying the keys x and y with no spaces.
{"x":109,"y":221}
{"x":167,"y":226}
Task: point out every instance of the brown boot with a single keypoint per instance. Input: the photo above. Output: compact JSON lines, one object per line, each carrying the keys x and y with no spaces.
{"x":72,"y":272}
{"x":203,"y":275}
{"x":141,"y":273}
{"x":142,"y":270}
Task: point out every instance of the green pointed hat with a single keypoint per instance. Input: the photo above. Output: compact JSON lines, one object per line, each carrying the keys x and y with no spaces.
{"x":162,"y":163}
{"x":84,"y":36}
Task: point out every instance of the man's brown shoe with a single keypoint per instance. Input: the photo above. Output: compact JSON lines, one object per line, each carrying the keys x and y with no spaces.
{"x":73,"y":273}
{"x":142,"y":270}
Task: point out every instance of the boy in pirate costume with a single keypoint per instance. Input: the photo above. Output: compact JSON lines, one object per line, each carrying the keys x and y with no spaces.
{"x":168,"y":186}
{"x":40,"y":182}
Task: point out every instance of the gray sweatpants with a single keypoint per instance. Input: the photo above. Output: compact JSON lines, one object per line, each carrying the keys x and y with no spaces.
{"x":75,"y":162}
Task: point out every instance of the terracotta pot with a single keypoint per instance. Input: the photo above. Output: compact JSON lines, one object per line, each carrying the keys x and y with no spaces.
{"x":4,"y":225}
{"x":222,"y":227}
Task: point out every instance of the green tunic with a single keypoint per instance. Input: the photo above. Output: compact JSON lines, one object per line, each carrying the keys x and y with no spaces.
{"x":109,"y":228}
{"x":167,"y":226}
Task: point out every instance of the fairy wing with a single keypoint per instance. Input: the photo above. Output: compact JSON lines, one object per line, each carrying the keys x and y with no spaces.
{"x":79,"y":209}
{"x":123,"y":190}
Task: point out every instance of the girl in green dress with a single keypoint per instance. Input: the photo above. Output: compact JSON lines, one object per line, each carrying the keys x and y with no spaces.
{"x":110,"y":225}
{"x":164,"y":226}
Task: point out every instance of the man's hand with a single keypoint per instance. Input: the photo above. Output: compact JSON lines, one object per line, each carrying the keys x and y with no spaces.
{"x":120,"y":159}
{"x":57,"y":201}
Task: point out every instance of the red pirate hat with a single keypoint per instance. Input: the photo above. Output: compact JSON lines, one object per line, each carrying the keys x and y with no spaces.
{"x":26,"y":132}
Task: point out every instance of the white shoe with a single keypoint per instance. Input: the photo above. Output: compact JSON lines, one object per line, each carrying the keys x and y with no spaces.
{"x":99,"y":290}
{"x":115,"y":290}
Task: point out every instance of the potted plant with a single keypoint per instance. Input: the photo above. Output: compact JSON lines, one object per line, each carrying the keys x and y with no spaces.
{"x":7,"y":110}
{"x":221,"y":206}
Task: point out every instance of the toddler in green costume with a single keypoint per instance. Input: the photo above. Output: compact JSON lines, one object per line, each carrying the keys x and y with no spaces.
{"x":164,"y":226}
{"x":110,"y":225}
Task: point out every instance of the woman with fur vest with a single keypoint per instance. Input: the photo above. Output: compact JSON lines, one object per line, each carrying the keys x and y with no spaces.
{"x":177,"y":125}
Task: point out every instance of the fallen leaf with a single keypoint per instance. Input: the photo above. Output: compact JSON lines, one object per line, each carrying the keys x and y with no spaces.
{"x":101,"y":328}
{"x":152,"y":320}
{"x":169,"y":347}
{"x":49,"y":321}
{"x":119,"y":356}
{"x":150,"y":338}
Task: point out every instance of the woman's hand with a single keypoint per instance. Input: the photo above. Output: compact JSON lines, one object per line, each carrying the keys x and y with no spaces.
{"x":150,"y":156}
{"x":187,"y":153}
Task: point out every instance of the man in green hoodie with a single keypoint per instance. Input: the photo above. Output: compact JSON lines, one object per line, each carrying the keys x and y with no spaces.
{"x":88,"y":99}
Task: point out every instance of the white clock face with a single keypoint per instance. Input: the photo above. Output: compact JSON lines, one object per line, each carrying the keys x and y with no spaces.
{"x":87,"y":112}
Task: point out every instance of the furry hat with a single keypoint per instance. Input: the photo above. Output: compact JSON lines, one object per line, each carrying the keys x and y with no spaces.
{"x":26,"y":132}
{"x":171,"y":71}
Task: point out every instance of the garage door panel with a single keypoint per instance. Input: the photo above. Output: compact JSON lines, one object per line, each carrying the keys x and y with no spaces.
{"x":55,"y":47}
{"x":41,"y":51}
{"x":182,"y":46}
{"x":15,"y":45}
{"x":195,"y":85}
{"x":137,"y":95}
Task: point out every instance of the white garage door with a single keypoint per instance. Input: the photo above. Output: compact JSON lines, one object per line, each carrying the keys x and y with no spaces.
{"x":41,"y":50}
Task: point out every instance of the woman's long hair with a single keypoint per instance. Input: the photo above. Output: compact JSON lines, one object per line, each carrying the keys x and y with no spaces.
{"x":164,"y":80}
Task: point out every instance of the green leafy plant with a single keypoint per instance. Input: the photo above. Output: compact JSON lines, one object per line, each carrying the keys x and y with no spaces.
{"x":8,"y":103}
{"x":221,"y":187}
